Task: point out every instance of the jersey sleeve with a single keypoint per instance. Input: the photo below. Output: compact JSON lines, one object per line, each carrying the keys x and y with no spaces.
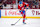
{"x":27,"y":4}
{"x":19,"y":7}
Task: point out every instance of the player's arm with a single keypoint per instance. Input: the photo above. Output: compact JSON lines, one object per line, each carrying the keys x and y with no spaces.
{"x":26,"y":6}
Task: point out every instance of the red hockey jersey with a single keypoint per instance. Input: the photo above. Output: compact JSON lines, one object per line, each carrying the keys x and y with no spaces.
{"x":22,"y":7}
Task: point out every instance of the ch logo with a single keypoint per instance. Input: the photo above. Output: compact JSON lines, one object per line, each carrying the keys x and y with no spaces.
{"x":33,"y":12}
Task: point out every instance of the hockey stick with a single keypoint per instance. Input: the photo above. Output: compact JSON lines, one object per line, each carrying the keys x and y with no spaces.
{"x":15,"y":22}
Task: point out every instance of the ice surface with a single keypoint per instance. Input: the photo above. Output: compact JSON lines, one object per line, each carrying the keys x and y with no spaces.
{"x":6,"y":22}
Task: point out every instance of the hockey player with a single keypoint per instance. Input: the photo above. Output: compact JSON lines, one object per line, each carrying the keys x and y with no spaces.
{"x":21,"y":7}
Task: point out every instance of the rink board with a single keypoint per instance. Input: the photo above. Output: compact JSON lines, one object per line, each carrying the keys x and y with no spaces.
{"x":14,"y":13}
{"x":0,"y":13}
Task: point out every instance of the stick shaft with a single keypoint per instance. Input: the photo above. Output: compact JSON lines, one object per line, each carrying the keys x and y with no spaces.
{"x":18,"y":20}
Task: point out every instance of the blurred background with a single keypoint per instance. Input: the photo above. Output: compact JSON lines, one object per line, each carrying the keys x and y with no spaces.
{"x":13,"y":4}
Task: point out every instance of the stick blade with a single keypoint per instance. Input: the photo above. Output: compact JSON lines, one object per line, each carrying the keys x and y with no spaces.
{"x":12,"y":24}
